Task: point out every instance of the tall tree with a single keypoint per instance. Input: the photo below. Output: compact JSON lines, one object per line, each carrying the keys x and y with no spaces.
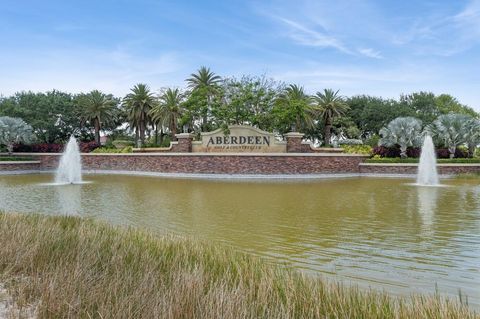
{"x":138,"y":103}
{"x":293,"y":110}
{"x":205,"y":86}
{"x":330,"y":105}
{"x":248,"y":100}
{"x":53,"y":115}
{"x":371,"y":113}
{"x":423,"y":105}
{"x":98,"y":109}
{"x":169,"y":110}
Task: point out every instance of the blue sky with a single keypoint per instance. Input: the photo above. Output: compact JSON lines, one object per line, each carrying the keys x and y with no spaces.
{"x":381,"y":48}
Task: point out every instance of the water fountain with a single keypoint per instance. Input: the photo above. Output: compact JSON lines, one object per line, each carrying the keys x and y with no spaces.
{"x":427,"y":168}
{"x":70,"y":168}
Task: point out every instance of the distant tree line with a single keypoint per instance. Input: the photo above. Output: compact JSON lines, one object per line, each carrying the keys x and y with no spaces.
{"x":209,"y":102}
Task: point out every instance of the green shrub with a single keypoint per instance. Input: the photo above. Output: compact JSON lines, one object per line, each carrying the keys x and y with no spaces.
{"x":373,"y":140}
{"x":128,"y":149}
{"x":377,"y":159}
{"x":357,"y":149}
{"x":120,"y":144}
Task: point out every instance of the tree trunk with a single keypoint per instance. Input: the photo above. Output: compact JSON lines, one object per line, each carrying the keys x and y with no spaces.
{"x":161,"y":135}
{"x":452,"y":151}
{"x":142,"y":133}
{"x":471,"y":150}
{"x":156,"y":135}
{"x":403,"y":152}
{"x":173,"y":128}
{"x":10,"y":149}
{"x":97,"y":130}
{"x":328,"y":131}
{"x":137,"y":137}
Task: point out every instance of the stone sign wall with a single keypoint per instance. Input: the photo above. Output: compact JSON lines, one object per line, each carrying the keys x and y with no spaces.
{"x":239,"y":139}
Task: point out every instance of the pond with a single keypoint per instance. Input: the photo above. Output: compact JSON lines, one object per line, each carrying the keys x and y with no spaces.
{"x":373,"y":232}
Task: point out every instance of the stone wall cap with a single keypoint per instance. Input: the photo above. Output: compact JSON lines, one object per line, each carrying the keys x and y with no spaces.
{"x":19,"y":162}
{"x":294,"y":134}
{"x":416,"y":164}
{"x":210,"y":154}
{"x":184,"y":135}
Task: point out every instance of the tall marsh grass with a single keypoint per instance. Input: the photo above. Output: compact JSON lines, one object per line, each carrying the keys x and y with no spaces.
{"x":75,"y":268}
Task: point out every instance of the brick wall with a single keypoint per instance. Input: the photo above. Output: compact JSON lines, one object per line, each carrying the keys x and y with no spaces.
{"x":216,"y":164}
{"x":444,"y":169}
{"x":195,"y":163}
{"x":19,"y":166}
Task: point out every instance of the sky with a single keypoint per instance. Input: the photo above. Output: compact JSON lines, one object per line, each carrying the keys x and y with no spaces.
{"x":382,"y":48}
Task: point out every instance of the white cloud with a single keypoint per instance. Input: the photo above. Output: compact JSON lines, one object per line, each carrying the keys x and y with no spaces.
{"x":443,"y":35}
{"x":371,"y":53}
{"x":310,"y":37}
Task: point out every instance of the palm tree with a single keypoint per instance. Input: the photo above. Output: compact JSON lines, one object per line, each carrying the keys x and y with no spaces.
{"x":330,"y":105}
{"x":14,"y":130}
{"x":472,"y":135}
{"x":205,"y":83}
{"x":97,"y":108}
{"x":295,"y":108}
{"x":203,"y":78}
{"x":139,"y":102}
{"x":402,"y":131}
{"x":169,"y":110}
{"x":450,"y":129}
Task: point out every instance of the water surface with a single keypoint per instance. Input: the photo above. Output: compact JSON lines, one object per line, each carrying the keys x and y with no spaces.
{"x":374,"y":232}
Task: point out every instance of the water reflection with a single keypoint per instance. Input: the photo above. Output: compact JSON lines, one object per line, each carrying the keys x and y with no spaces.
{"x":427,"y":206}
{"x":377,"y":233}
{"x":69,"y":199}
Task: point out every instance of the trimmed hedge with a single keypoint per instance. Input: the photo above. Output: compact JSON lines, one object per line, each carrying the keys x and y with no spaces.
{"x":85,"y":147}
{"x":414,"y":152}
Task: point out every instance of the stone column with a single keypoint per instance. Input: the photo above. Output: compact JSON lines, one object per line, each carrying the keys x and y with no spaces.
{"x":294,"y":142}
{"x":184,"y":143}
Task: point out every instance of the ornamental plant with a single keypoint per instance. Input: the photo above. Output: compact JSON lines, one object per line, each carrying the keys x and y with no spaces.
{"x":13,"y":131}
{"x":402,"y":131}
{"x":450,"y":130}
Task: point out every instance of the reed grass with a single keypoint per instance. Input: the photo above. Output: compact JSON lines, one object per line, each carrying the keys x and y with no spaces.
{"x":69,"y":267}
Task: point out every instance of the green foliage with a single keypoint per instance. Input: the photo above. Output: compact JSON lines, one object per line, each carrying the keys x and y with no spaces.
{"x":53,"y":115}
{"x":122,"y":143}
{"x":14,"y":158}
{"x":357,"y":149}
{"x":448,"y":104}
{"x":373,"y":140}
{"x":128,"y":149}
{"x":205,"y":91}
{"x":393,"y":160}
{"x":330,"y":105}
{"x":450,"y":130}
{"x":138,"y":103}
{"x":169,"y":110}
{"x":97,"y":109}
{"x":293,"y":110}
{"x":422,"y":105}
{"x":402,"y":131}
{"x":370,"y":113}
{"x":14,"y":131}
{"x":248,"y":100}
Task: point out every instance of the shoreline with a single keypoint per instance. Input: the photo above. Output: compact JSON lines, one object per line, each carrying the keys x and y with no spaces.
{"x":65,"y":258}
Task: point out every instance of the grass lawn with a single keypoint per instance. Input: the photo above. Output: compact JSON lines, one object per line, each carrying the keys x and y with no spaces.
{"x":14,"y":158}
